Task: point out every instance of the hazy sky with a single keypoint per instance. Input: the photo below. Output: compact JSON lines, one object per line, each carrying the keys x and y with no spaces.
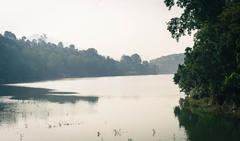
{"x":113,"y":27}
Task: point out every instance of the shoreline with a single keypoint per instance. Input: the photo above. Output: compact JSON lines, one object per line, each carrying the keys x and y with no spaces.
{"x":205,"y":106}
{"x":60,"y":78}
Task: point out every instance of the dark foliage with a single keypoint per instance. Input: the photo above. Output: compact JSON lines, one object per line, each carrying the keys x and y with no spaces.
{"x":212,"y":67}
{"x":25,"y":60}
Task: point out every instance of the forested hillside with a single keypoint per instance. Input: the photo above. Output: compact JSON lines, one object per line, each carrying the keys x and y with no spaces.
{"x":28,"y":60}
{"x":168,"y":64}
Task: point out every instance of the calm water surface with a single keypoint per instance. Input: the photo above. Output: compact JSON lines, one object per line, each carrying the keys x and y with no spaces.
{"x":137,"y":108}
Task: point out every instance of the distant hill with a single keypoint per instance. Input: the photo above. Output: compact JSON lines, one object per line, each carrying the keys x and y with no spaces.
{"x":36,"y":59}
{"x":168,"y":64}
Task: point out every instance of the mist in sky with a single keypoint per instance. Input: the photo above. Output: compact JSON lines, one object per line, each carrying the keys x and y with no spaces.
{"x":113,"y":27}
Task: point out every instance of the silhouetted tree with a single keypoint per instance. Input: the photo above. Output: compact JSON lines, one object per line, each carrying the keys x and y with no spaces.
{"x":212,"y":67}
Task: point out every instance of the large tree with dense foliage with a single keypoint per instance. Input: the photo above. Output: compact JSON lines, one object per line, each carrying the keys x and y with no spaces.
{"x":212,"y":66}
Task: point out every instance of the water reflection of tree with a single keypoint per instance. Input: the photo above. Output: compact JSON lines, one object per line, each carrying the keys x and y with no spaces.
{"x":9,"y":111}
{"x":40,"y":94}
{"x":204,"y":127}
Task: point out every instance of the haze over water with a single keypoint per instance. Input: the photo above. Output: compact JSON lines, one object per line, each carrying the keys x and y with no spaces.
{"x":132,"y":105}
{"x":138,"y":108}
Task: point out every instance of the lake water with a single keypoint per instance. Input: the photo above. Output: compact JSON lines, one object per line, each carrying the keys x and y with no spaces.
{"x":126,"y":108}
